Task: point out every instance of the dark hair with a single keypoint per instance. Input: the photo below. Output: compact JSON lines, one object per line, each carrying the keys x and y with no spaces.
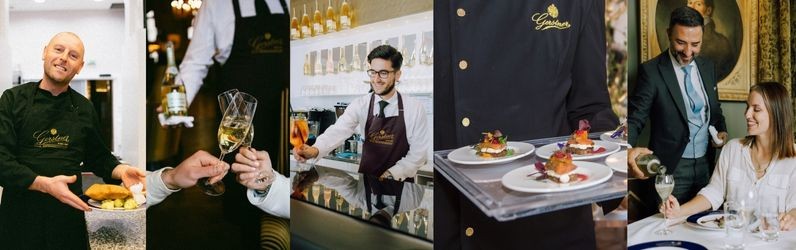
{"x":780,"y":113}
{"x":686,"y":16}
{"x":708,"y":3}
{"x":389,"y":53}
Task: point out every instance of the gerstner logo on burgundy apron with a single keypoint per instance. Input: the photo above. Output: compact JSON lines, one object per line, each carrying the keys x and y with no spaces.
{"x":385,"y":144}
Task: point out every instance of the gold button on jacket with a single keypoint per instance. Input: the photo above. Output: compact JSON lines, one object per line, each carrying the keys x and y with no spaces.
{"x":460,"y":12}
{"x":463,"y":64}
{"x":466,"y":122}
{"x":469,"y":231}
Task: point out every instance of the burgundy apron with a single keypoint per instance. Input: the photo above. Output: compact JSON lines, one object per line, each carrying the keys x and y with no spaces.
{"x":385,"y":144}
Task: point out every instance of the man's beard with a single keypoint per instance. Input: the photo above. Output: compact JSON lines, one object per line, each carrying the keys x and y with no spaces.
{"x":679,"y":58}
{"x":63,"y":81}
{"x":387,"y":90}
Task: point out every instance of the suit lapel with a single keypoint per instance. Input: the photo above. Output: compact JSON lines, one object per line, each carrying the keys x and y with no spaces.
{"x":670,"y":79}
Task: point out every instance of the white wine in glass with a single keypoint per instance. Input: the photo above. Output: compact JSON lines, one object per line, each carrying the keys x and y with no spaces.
{"x":664,"y":184}
{"x":234,"y":128}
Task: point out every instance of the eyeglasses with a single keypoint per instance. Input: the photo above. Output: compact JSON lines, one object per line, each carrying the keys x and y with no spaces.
{"x":383,"y":74}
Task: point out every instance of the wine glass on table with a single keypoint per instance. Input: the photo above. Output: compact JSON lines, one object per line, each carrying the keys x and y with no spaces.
{"x":664,"y":184}
{"x":235,"y":126}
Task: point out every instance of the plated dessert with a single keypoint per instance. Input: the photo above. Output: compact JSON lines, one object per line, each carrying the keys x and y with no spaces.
{"x":559,"y":169}
{"x":579,"y":142}
{"x":493,"y":144}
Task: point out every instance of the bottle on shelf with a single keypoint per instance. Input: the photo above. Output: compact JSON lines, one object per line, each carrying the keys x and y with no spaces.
{"x":295,"y":31}
{"x":173,"y":99}
{"x":345,"y":15}
{"x":318,"y":67}
{"x":355,"y":65}
{"x":317,"y":23}
{"x":330,"y":62}
{"x":306,"y":31}
{"x":365,"y":63}
{"x":331,"y":21}
{"x":307,"y":66}
{"x":650,"y":165}
{"x":342,"y":64}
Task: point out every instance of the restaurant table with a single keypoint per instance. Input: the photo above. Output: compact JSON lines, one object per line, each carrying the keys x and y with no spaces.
{"x":644,"y":231}
{"x":482,"y":185}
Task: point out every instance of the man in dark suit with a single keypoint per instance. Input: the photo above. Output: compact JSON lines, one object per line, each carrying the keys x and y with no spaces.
{"x":532,"y":78}
{"x":677,"y":92}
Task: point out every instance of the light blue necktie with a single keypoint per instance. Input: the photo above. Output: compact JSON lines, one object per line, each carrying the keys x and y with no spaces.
{"x":696,"y":102}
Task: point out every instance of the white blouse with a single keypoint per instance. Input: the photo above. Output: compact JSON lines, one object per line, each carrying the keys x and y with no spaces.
{"x":735,"y":175}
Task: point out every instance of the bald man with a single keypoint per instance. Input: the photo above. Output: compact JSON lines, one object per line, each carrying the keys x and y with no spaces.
{"x":47,"y":130}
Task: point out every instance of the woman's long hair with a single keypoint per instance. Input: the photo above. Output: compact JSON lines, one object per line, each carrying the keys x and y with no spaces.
{"x":780,"y":111}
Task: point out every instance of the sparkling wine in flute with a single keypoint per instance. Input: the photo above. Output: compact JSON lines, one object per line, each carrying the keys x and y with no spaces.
{"x":232,"y":132}
{"x":664,"y":190}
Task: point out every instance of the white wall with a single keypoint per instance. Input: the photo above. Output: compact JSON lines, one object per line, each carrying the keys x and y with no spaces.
{"x":5,"y":49}
{"x":101,"y":32}
{"x":114,"y":46}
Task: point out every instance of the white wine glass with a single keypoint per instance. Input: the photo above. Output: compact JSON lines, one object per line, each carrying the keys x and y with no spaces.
{"x":223,"y":101}
{"x":664,"y":184}
{"x":235,"y":126}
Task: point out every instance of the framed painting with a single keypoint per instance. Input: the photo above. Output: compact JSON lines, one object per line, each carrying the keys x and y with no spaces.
{"x":729,"y":39}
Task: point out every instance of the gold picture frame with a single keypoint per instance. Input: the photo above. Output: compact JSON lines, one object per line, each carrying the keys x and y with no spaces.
{"x":742,"y":75}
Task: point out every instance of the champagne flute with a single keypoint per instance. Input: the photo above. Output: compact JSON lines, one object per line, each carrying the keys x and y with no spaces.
{"x":664,"y":184}
{"x":223,"y":101}
{"x":235,"y":125}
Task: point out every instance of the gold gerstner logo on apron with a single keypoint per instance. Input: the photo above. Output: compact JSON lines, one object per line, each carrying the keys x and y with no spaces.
{"x":49,"y":138}
{"x":265,"y":44}
{"x":382,"y":137}
{"x":549,"y":19}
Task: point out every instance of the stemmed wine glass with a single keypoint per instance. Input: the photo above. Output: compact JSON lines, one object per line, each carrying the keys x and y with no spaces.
{"x":299,"y":132}
{"x":664,"y":184}
{"x":234,"y":128}
{"x":223,"y":101}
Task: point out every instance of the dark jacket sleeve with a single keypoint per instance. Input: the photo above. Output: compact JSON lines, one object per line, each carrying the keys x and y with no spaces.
{"x":12,"y":173}
{"x":588,"y":98}
{"x":99,"y":159}
{"x":639,"y":105}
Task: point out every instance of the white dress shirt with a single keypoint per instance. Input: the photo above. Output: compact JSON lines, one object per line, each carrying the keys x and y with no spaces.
{"x":214,"y":32}
{"x":355,"y":117}
{"x":276,"y":202}
{"x":735,"y":175}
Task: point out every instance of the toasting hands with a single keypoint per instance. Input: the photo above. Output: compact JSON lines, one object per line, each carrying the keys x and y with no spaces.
{"x":253,"y":168}
{"x":199,"y":165}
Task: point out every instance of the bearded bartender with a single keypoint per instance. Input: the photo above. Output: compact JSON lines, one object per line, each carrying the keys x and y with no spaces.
{"x":395,"y":129}
{"x":51,"y":135}
{"x":531,"y":69}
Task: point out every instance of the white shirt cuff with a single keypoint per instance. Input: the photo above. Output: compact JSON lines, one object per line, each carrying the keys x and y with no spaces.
{"x":157,"y":190}
{"x":277,"y":201}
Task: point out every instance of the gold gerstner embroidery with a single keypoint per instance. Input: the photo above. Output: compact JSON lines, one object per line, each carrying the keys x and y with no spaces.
{"x":549,"y":20}
{"x":49,"y":138}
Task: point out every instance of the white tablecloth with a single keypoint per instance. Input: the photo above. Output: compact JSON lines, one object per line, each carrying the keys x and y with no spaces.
{"x":644,"y":231}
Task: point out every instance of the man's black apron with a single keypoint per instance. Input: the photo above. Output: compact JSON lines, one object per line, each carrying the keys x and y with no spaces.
{"x":385,"y":144}
{"x":259,"y":65}
{"x":52,"y":141}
